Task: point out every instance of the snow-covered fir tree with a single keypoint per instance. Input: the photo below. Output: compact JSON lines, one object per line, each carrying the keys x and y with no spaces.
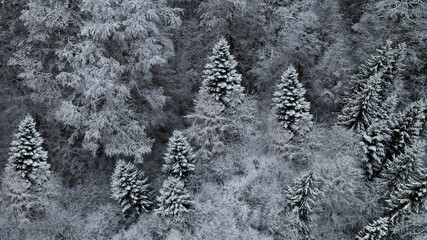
{"x":179,"y":157}
{"x":27,"y":156}
{"x":301,"y":198}
{"x":388,"y":63}
{"x":129,"y":188}
{"x":373,"y":145}
{"x":27,"y":184}
{"x":364,"y":107}
{"x":376,"y":230}
{"x":373,"y":83}
{"x":388,"y":137}
{"x":375,"y":137}
{"x":404,"y":166}
{"x":409,"y":198}
{"x":290,"y":107}
{"x":174,"y":199}
{"x":221,"y":80}
{"x":405,"y":128}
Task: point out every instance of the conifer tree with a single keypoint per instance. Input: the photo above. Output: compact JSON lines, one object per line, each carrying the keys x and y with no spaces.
{"x":129,"y":188}
{"x":390,"y":135}
{"x":179,"y":157}
{"x":376,"y":230}
{"x":403,"y":166}
{"x":409,"y":198}
{"x":388,"y":62}
{"x":406,"y":128}
{"x":375,"y":137}
{"x":364,"y":105}
{"x":289,"y":104}
{"x":221,"y":80}
{"x":301,"y":198}
{"x":27,"y":156}
{"x":174,"y":199}
{"x":27,"y":183}
{"x":372,"y":84}
{"x":373,"y":145}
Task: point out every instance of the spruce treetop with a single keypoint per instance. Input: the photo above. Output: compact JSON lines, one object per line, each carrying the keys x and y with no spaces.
{"x":174,"y":199}
{"x":409,"y":198}
{"x":129,"y":188}
{"x":364,"y":107}
{"x":406,"y":127}
{"x":302,"y":195}
{"x":404,"y":166}
{"x":388,"y":62}
{"x":376,"y":230}
{"x":375,"y":80}
{"x":27,"y":155}
{"x":221,"y":81}
{"x":179,"y":157}
{"x":289,"y":104}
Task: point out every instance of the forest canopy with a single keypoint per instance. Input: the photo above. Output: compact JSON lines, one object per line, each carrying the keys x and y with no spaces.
{"x":213,"y":119}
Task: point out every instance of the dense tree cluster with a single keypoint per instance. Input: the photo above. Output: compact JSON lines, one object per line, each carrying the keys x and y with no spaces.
{"x":213,"y":119}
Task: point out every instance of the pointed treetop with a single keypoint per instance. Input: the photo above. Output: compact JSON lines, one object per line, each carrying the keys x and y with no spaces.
{"x":221,"y":81}
{"x":289,"y":104}
{"x":402,"y":167}
{"x":27,"y":155}
{"x":179,"y":157}
{"x":129,"y":188}
{"x":363,"y":106}
{"x":174,"y":199}
{"x":376,"y":230}
{"x":406,"y":128}
{"x":409,"y":198}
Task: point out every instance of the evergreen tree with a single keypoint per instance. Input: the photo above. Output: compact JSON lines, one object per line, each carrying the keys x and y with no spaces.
{"x":27,"y":156}
{"x":375,"y":137}
{"x":179,"y":157}
{"x":388,"y":63}
{"x":27,"y":184}
{"x":174,"y":199}
{"x":404,"y":166}
{"x":289,"y":104}
{"x":387,"y":139}
{"x":360,"y":110}
{"x":221,"y":80}
{"x":129,"y":188}
{"x":373,"y":144}
{"x":300,"y":198}
{"x":376,"y":230}
{"x":409,"y":198}
{"x":371,"y":85}
{"x":405,"y":128}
